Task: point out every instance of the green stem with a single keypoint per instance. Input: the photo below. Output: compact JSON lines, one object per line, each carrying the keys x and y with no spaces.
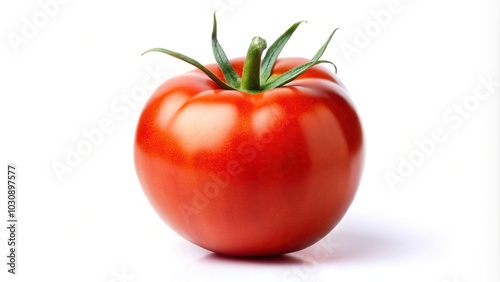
{"x":250,"y":78}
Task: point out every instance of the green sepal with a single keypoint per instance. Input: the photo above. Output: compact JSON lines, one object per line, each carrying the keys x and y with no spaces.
{"x":228,"y":71}
{"x":323,"y":48}
{"x":195,"y":63}
{"x":278,"y":81}
{"x":290,"y":75}
{"x":274,"y":51}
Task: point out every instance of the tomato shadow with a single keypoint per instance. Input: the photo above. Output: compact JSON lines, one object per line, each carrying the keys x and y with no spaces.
{"x":359,"y":240}
{"x":366,"y":240}
{"x":267,"y":260}
{"x":216,"y":267}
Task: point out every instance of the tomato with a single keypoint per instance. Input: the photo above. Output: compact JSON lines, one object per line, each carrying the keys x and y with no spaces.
{"x":250,"y":174}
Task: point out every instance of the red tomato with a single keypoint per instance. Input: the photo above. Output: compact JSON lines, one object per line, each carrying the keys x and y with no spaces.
{"x":250,"y":175}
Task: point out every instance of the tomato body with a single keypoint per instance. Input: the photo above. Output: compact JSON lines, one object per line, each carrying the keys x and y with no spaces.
{"x":250,"y":175}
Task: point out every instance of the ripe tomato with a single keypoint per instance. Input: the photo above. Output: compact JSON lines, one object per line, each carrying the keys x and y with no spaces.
{"x":250,"y":174}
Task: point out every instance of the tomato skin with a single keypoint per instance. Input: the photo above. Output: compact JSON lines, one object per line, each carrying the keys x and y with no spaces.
{"x":250,"y":175}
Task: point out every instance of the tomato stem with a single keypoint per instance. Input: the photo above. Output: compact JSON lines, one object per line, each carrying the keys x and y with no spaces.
{"x":250,"y":78}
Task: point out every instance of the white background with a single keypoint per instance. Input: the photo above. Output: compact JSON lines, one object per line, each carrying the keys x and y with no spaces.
{"x":407,"y":71}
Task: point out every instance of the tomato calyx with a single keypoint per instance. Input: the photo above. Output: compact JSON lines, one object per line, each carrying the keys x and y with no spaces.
{"x":257,"y":72}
